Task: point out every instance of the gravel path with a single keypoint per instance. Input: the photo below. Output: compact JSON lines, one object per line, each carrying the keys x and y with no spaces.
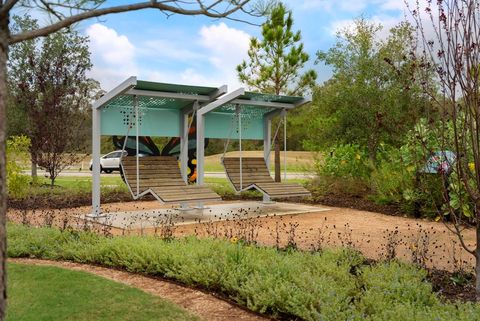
{"x":371,"y":233}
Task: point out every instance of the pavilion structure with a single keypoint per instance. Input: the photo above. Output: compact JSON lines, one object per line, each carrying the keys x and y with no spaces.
{"x":143,"y":108}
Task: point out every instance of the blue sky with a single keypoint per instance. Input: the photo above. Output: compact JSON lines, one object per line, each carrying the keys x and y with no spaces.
{"x":202,"y":51}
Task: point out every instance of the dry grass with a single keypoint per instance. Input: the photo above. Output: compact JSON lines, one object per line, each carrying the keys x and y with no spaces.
{"x":296,"y":161}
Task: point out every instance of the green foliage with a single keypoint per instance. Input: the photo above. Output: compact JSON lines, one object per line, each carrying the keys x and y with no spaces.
{"x":345,"y":161}
{"x":393,"y":181}
{"x":396,"y":178}
{"x":275,"y":61}
{"x":398,"y":292}
{"x":17,"y":149}
{"x":51,"y":293}
{"x":48,"y":84}
{"x":370,"y":99}
{"x":309,"y":286}
{"x":330,"y":285}
{"x":395,"y":283}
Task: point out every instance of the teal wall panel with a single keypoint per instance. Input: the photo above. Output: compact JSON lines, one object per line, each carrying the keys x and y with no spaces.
{"x":153,"y":121}
{"x":219,"y":125}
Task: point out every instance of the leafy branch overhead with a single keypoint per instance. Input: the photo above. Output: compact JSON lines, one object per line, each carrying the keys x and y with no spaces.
{"x":65,"y":13}
{"x":275,"y":62}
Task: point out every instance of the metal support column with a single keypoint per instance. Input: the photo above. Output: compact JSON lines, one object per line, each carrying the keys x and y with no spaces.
{"x":200,"y":147}
{"x":284,"y":114}
{"x":184,"y":145}
{"x":96,"y":135}
{"x":137,"y":159}
{"x":267,"y":138}
{"x":238,"y":111}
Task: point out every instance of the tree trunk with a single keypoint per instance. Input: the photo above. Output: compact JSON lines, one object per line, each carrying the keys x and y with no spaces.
{"x":477,"y":261}
{"x":372,"y":154}
{"x":34,"y":168}
{"x":3,"y":170}
{"x":278,"y":176}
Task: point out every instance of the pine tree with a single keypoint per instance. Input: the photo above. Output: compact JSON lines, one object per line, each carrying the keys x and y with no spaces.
{"x":276,"y":63}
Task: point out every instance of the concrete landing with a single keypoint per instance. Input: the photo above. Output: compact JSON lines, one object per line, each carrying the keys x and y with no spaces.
{"x":212,"y":213}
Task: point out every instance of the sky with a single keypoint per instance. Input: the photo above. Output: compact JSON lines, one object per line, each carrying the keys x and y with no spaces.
{"x":198,"y":50}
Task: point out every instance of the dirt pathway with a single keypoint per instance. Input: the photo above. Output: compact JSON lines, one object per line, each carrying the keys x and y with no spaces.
{"x":204,"y":305}
{"x":376,"y":235}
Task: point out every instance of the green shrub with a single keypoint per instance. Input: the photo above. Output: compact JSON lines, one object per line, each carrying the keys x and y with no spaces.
{"x":345,"y":161}
{"x":331,"y":285}
{"x":386,"y":284}
{"x":17,"y":148}
{"x":393,"y":180}
{"x":459,"y":199}
{"x":397,"y":292}
{"x":310,"y":286}
{"x":441,"y":312}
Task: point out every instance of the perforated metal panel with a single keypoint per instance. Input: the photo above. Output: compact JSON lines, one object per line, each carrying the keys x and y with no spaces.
{"x":162,"y":122}
{"x":161,"y":116}
{"x":223,"y":122}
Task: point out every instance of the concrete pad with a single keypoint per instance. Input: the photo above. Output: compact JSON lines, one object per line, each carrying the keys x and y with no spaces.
{"x":212,"y":213}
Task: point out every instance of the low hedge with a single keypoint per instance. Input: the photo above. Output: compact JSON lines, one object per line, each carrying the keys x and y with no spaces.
{"x":330,"y":285}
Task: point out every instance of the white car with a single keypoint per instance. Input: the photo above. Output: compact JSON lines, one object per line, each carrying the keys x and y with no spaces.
{"x":110,"y":162}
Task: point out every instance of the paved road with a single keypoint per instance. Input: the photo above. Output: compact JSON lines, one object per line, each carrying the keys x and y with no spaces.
{"x":290,"y":175}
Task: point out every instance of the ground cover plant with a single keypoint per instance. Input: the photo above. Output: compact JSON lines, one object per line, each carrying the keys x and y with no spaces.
{"x":69,"y":191}
{"x":51,"y":293}
{"x":73,"y":191}
{"x":330,"y":284}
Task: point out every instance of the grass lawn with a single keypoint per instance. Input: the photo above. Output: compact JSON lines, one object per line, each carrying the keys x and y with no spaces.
{"x":296,"y":161}
{"x":51,"y":293}
{"x":70,"y":188}
{"x":74,"y":184}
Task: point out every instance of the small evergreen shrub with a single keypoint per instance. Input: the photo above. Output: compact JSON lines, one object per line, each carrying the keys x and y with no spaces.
{"x":329,"y":285}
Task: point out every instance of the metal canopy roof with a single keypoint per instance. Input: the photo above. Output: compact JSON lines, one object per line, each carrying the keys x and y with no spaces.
{"x":157,"y":95}
{"x":175,"y":96}
{"x":252,"y":96}
{"x":174,"y":88}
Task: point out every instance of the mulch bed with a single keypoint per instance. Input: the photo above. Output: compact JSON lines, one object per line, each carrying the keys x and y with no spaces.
{"x":443,"y":283}
{"x":59,"y":201}
{"x":357,"y":202}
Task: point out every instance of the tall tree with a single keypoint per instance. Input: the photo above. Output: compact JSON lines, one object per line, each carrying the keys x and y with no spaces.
{"x":276,"y":63}
{"x":48,"y":80}
{"x":64,"y":14}
{"x":370,"y":98}
{"x":451,"y":51}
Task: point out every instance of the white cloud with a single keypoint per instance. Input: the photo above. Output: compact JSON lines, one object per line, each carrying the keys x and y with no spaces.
{"x":113,"y":56}
{"x":168,"y":49}
{"x":210,"y":58}
{"x":211,"y":61}
{"x":339,"y":25}
{"x":393,"y":5}
{"x":226,"y":48}
{"x":188,"y":76}
{"x":386,"y":21}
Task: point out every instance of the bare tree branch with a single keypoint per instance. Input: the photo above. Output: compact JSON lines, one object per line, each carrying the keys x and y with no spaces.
{"x":124,"y":8}
{"x":50,"y":10}
{"x":7,"y":6}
